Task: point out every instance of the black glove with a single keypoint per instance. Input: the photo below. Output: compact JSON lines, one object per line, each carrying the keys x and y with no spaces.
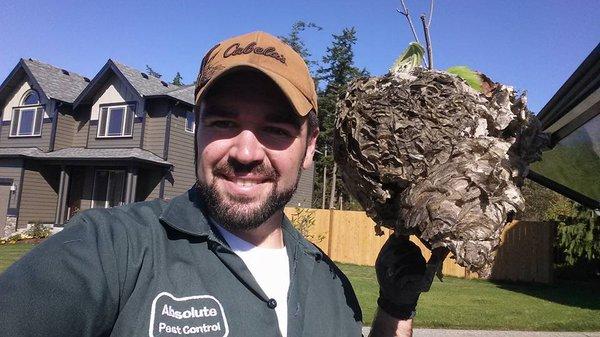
{"x":401,"y":270}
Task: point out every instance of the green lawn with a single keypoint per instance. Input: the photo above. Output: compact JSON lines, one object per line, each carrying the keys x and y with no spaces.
{"x":10,"y":253}
{"x":468,"y":304}
{"x":476,"y":304}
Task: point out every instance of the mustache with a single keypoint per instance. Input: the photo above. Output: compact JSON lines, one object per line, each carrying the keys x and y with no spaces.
{"x":233,"y":167}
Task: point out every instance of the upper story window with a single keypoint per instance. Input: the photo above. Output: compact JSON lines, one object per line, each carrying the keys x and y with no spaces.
{"x":31,"y":98}
{"x":27,"y":119}
{"x":116,"y":121}
{"x":190,"y":122}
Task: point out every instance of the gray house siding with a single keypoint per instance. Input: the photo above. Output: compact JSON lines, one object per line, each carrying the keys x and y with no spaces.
{"x":42,"y":142}
{"x":117,"y":142}
{"x":180,"y":154}
{"x":154,"y":141}
{"x":156,"y":125}
{"x":65,"y":128}
{"x":40,"y":193}
{"x":12,"y":169}
{"x":303,"y":195}
{"x":81,"y":118}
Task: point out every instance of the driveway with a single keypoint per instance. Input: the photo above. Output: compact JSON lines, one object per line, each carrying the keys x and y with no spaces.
{"x":476,"y":333}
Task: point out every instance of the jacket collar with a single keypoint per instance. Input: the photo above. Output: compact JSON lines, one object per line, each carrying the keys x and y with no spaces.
{"x":186,"y":213}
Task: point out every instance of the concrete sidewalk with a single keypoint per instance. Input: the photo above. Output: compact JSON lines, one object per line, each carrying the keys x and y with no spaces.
{"x":476,"y":333}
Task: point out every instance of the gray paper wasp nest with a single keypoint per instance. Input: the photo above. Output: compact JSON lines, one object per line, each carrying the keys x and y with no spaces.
{"x":426,"y":154}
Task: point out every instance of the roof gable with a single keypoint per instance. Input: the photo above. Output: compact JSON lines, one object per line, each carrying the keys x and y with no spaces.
{"x":57,"y":83}
{"x":142,"y":84}
{"x":52,"y":82}
{"x":70,"y":87}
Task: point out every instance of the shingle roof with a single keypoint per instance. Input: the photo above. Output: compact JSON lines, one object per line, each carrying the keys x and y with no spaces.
{"x":184,"y":93}
{"x":56,"y":83}
{"x":145,"y":86}
{"x":75,"y":153}
{"x":19,"y":151}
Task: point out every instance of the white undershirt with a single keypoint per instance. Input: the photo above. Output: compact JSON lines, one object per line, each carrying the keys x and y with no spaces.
{"x":270,"y":268}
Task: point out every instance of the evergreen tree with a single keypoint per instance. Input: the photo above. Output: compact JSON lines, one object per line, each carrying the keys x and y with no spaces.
{"x":336,"y":71}
{"x":295,"y":41}
{"x":151,"y":72}
{"x":177,"y":80}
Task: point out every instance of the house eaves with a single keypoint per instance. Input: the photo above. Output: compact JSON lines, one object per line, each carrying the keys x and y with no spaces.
{"x":86,"y":154}
{"x":183,"y":94}
{"x":584,"y":82}
{"x":571,"y":118}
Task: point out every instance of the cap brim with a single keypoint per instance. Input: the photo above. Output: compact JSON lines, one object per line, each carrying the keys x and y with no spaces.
{"x":300,"y":103}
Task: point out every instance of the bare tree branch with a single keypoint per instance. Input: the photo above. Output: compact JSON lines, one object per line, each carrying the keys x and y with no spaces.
{"x":410,"y":23}
{"x":430,"y":14}
{"x":407,"y":15}
{"x":428,"y":43}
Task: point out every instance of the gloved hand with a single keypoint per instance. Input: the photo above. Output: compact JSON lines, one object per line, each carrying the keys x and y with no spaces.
{"x":401,"y":273}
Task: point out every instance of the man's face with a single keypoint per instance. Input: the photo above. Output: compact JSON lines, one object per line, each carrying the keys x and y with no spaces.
{"x":251,"y":149}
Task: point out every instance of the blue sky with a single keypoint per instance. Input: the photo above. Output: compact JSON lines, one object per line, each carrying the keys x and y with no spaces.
{"x":532,"y":45}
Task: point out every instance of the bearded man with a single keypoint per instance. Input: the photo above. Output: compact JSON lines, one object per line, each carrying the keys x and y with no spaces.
{"x":222,"y":259}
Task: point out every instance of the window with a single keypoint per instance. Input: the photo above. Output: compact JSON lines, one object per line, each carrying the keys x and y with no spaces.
{"x":190,"y":122}
{"x":31,"y":98}
{"x":109,"y":188}
{"x":116,"y":121}
{"x":27,"y":119}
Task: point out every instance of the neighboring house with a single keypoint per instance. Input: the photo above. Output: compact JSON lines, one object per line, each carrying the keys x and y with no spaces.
{"x":572,"y":118}
{"x":68,"y":144}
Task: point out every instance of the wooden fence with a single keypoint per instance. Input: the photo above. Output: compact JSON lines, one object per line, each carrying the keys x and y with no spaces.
{"x":349,"y":237}
{"x":526,"y":253}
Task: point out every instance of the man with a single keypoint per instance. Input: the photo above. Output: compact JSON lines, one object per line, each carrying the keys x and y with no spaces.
{"x":222,"y":259}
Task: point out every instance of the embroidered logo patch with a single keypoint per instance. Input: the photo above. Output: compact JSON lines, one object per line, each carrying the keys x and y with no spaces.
{"x":200,"y":315}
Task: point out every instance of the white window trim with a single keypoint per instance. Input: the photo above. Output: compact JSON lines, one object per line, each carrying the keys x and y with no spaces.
{"x":35,"y":121}
{"x":108,"y":109}
{"x":93,"y":203}
{"x":27,"y":93}
{"x":186,"y":123}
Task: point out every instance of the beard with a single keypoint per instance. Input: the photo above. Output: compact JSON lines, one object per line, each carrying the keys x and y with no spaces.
{"x":231,"y":212}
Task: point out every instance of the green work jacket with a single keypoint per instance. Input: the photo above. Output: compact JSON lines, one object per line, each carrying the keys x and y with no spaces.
{"x":158,"y":268}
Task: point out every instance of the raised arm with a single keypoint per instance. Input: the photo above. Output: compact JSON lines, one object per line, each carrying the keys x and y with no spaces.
{"x":401,"y":271}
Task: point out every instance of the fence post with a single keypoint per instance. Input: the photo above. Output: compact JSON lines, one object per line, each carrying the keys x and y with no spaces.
{"x":330,"y":234}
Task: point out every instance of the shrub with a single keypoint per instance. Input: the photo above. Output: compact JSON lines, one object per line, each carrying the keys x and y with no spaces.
{"x":578,"y":232}
{"x":38,"y":231}
{"x":303,"y":220}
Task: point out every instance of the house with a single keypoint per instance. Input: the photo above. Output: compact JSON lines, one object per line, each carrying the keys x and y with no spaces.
{"x":68,"y":143}
{"x":572,"y":118}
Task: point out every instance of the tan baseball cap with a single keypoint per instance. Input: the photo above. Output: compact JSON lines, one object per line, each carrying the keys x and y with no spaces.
{"x":268,"y":54}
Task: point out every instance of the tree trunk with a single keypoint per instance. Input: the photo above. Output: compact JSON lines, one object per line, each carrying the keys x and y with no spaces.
{"x":333,"y":180}
{"x":324,"y":183}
